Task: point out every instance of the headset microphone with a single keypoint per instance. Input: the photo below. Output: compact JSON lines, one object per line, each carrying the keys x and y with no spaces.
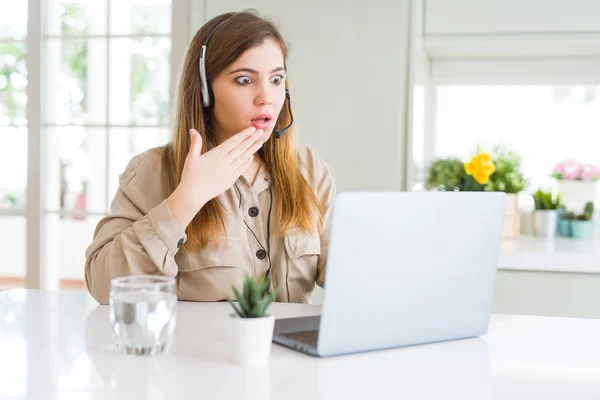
{"x":279,"y":133}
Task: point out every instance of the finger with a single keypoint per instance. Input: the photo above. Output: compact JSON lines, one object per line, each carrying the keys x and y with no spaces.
{"x":233,"y":141}
{"x":238,"y":171}
{"x":246,"y":154}
{"x":250,"y":142}
{"x":196,"y":139}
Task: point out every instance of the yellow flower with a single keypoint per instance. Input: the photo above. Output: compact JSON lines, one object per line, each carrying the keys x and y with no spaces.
{"x":480,"y":167}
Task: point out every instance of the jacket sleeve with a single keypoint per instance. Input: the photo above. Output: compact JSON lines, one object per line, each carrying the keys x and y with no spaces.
{"x":131,"y":240}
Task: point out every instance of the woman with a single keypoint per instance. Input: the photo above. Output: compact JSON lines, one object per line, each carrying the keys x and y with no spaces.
{"x":199,"y":209}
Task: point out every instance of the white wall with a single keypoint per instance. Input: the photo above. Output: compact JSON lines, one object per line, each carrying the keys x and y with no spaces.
{"x":348,"y":80}
{"x":510,"y":28}
{"x":491,"y":17}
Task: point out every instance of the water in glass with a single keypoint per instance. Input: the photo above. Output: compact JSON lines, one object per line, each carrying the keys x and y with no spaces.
{"x":143,"y":314}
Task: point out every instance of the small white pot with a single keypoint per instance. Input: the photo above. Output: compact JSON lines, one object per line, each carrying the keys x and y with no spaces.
{"x":544,"y":223}
{"x":251,"y":339}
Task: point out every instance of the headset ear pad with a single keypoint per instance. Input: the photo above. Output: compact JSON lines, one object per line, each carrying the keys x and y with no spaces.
{"x":211,"y":96}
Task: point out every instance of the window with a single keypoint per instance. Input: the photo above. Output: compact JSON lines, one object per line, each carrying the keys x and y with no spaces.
{"x":106,"y":79}
{"x":548,"y":110}
{"x":13,"y":140}
{"x":544,"y":123}
{"x":107,"y":64}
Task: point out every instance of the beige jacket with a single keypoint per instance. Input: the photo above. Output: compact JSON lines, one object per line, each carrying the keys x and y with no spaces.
{"x":140,"y":236}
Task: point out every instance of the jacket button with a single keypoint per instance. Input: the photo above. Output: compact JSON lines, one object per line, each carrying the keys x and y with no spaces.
{"x":180,"y":243}
{"x":253,"y":212}
{"x":261,"y":254}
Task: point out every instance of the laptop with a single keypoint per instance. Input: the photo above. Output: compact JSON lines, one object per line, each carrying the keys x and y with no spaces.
{"x":403,"y":268}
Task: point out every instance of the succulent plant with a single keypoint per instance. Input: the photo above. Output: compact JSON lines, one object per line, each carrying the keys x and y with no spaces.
{"x":545,"y":201}
{"x":588,"y":212}
{"x":254,"y":299}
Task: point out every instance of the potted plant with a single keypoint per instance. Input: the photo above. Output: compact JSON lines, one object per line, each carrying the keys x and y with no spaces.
{"x":252,"y":330}
{"x":446,"y":175}
{"x":577,"y":183}
{"x":582,"y":226}
{"x":545,"y":215}
{"x":478,"y":169}
{"x":508,"y":178}
{"x":499,"y":171}
{"x":564,"y":221}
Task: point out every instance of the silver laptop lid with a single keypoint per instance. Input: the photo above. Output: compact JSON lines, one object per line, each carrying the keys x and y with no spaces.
{"x":406,"y":268}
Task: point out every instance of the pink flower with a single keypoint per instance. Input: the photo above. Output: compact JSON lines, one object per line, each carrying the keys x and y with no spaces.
{"x":567,"y":170}
{"x":590,"y":173}
{"x":558,"y":168}
{"x":577,"y":171}
{"x":572,"y":170}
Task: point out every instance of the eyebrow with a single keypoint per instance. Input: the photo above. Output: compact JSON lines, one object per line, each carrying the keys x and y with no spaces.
{"x":253,"y":71}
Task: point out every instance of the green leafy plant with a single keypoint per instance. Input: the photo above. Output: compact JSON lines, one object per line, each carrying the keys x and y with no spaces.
{"x":508,"y":176}
{"x":254,"y":299}
{"x":11,"y":199}
{"x":545,"y":201}
{"x":446,"y":174}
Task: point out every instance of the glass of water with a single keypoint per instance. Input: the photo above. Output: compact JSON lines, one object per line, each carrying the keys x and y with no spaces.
{"x":143,"y":313}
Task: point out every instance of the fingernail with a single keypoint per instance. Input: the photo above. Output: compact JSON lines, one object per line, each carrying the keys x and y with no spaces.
{"x":259,"y":132}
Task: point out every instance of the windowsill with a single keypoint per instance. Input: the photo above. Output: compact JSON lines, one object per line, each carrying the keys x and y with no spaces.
{"x":528,"y":253}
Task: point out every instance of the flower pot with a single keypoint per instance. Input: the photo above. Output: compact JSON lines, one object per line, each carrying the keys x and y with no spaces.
{"x":250,"y":339}
{"x":574,"y":194}
{"x":512,"y":217}
{"x":544,"y":223}
{"x":564,"y":227}
{"x":582,"y":229}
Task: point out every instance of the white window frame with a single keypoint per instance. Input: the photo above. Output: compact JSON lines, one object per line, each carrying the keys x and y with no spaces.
{"x":41,"y":271}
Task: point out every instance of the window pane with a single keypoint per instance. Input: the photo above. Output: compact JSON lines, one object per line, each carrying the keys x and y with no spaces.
{"x":545,"y":124}
{"x":76,"y":173}
{"x":12,"y":248}
{"x":13,"y":167}
{"x":139,"y":81}
{"x":76,"y":17}
{"x":76,"y":70}
{"x":126,"y":143}
{"x":13,"y":83}
{"x":140,"y":16}
{"x":68,"y":239}
{"x":13,"y":19}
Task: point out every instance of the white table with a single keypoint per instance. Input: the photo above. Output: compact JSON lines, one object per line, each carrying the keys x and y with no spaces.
{"x":58,"y":345}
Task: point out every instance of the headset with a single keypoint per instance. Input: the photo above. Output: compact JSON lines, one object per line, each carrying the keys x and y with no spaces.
{"x":208,"y":101}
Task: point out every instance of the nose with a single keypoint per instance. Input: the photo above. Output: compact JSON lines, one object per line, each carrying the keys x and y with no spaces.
{"x":264,"y":96}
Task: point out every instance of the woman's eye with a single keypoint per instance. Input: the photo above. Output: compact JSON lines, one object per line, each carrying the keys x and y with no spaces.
{"x":243,"y":80}
{"x":277,"y":79}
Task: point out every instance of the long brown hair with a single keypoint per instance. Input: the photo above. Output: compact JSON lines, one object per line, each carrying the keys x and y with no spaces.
{"x":294,"y":201}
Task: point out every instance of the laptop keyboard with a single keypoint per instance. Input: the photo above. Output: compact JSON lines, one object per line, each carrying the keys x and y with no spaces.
{"x":310,"y":338}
